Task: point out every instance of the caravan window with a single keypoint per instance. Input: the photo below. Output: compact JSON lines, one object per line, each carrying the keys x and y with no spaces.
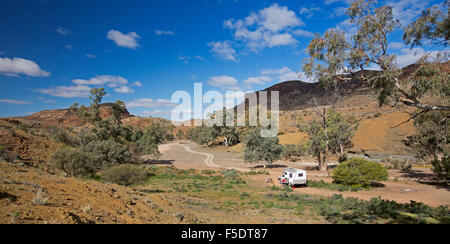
{"x":290,"y":175}
{"x":300,"y":174}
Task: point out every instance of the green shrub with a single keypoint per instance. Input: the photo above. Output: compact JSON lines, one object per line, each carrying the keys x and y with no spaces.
{"x":230,"y":173}
{"x":442,"y":167}
{"x":180,"y":134}
{"x":261,"y":149}
{"x":401,"y":165}
{"x":338,"y":209}
{"x":204,"y":135}
{"x":333,"y":186}
{"x":108,"y":153}
{"x":259,"y":172}
{"x":125,"y":174}
{"x":74,"y":163}
{"x":147,"y":146}
{"x":136,"y":135}
{"x":157,"y":133}
{"x":63,"y":136}
{"x":356,"y":172}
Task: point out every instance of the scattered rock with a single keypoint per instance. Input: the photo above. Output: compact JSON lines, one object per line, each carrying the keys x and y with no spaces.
{"x":180,"y":217}
{"x":130,"y":213}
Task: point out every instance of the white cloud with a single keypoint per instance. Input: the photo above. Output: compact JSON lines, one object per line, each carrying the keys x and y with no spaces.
{"x":82,"y":87}
{"x":164,"y":33}
{"x":68,"y":47}
{"x":67,"y":91}
{"x":270,"y":27}
{"x":223,"y":50}
{"x":13,"y":101}
{"x":404,"y":10}
{"x":281,"y":40}
{"x":309,"y":12}
{"x":18,"y":66}
{"x":409,"y":56}
{"x":156,"y":113}
{"x":124,"y":40}
{"x":150,"y":103}
{"x":137,"y":84}
{"x":187,"y":59}
{"x":286,"y":74}
{"x":223,"y":81}
{"x":348,"y":2}
{"x":90,"y":56}
{"x":259,"y":80}
{"x":338,"y":12}
{"x":111,"y":80}
{"x":276,"y":71}
{"x":396,"y":45}
{"x":124,"y":89}
{"x":289,"y":76}
{"x":303,"y":33}
{"x":276,"y":18}
{"x":348,"y":28}
{"x":199,"y":57}
{"x":407,"y":10}
{"x":63,"y":31}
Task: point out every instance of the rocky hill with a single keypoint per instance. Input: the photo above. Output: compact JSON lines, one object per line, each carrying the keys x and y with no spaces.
{"x":68,"y":118}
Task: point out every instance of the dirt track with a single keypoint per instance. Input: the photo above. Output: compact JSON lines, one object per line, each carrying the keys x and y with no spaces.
{"x":189,"y":155}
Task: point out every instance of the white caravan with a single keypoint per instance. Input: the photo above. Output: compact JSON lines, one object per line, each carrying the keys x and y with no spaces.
{"x":293,"y":177}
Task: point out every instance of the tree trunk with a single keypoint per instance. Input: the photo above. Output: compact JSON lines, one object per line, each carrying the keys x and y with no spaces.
{"x":323,"y":165}
{"x":322,"y":162}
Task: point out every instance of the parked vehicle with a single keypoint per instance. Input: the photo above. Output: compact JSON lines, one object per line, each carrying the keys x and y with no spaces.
{"x":293,"y":177}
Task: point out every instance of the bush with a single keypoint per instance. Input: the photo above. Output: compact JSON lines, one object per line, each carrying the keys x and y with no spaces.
{"x":401,"y":165}
{"x":136,"y":135}
{"x":294,"y":152}
{"x":203,"y":135}
{"x":261,"y":149}
{"x":63,"y":136}
{"x":359,"y":172}
{"x":442,"y":167}
{"x":147,"y":146}
{"x":108,"y":153}
{"x":157,"y":134}
{"x":230,"y":173}
{"x":125,"y":174}
{"x":290,"y":152}
{"x":74,"y":163}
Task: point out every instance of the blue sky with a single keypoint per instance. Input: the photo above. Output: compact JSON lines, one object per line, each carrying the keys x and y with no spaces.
{"x":53,"y":51}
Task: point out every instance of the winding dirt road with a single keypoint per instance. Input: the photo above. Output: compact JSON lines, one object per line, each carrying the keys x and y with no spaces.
{"x":171,"y":152}
{"x":209,"y":157}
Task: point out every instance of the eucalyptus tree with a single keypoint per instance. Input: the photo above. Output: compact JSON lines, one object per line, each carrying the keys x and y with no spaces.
{"x":333,"y":58}
{"x":329,"y":135}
